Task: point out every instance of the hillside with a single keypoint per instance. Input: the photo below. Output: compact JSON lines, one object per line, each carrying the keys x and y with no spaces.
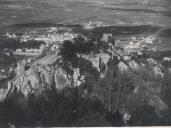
{"x":99,"y":77}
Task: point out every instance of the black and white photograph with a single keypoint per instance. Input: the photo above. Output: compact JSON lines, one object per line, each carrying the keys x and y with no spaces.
{"x":85,"y":63}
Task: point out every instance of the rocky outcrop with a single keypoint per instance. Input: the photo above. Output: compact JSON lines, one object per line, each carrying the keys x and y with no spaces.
{"x":119,"y":75}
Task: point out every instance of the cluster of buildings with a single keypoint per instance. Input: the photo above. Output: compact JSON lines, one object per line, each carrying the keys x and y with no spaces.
{"x":32,"y":50}
{"x":48,"y":39}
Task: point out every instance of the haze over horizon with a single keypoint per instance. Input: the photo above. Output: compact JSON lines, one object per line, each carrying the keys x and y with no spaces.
{"x":117,"y":12}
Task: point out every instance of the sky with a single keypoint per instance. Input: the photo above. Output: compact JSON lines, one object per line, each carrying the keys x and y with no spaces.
{"x":113,"y":12}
